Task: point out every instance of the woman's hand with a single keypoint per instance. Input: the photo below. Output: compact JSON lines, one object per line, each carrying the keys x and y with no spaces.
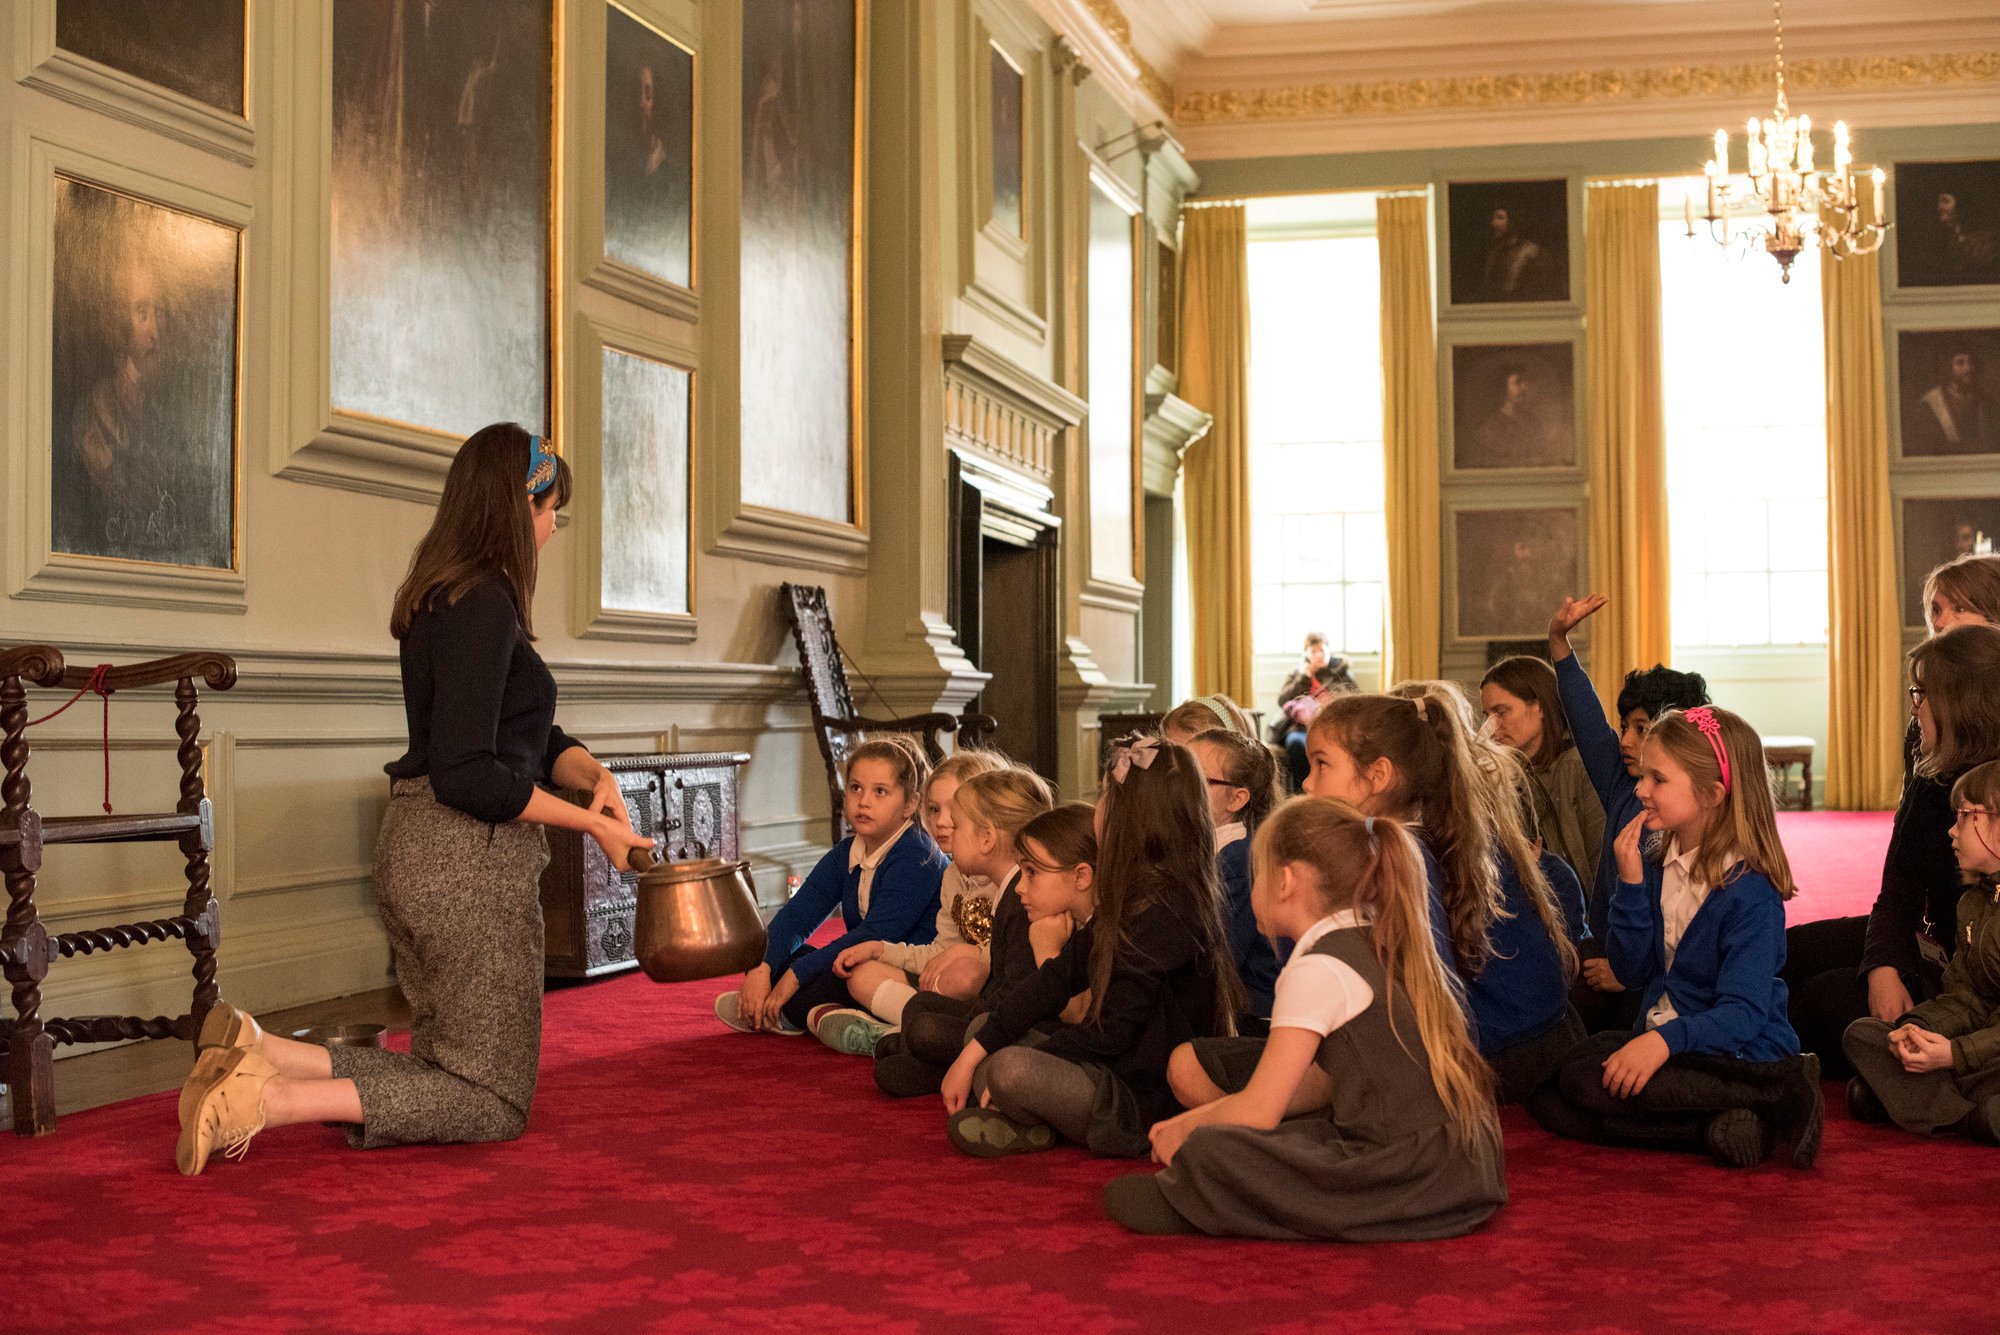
{"x":855,"y":956}
{"x":1888,"y":1000}
{"x":1568,"y":617}
{"x":617,"y":838}
{"x":774,"y":1004}
{"x":1597,"y":973}
{"x":1628,"y":1070}
{"x":1170,"y":1135}
{"x":1631,"y":866}
{"x":928,"y":977}
{"x":957,"y":1084}
{"x":1919,"y":1049}
{"x":606,"y":796}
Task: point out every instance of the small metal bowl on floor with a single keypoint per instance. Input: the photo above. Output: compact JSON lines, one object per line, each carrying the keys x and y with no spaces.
{"x":346,"y":1035}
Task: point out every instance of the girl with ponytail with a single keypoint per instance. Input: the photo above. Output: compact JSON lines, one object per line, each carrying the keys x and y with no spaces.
{"x":1415,"y":754}
{"x":1366,"y":1034}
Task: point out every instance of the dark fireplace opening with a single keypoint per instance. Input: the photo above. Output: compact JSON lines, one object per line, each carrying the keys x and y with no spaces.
{"x":1005,"y":608}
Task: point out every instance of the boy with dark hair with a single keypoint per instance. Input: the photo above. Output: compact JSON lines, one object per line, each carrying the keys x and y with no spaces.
{"x":1612,"y":761}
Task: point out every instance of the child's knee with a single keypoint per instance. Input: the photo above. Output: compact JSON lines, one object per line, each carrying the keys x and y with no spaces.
{"x":1187,"y":1078}
{"x":1007,"y":1072}
{"x":961,"y":979}
{"x":1866,"y":1034}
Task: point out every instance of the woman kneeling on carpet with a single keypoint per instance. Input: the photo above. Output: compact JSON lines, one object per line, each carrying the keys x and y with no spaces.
{"x":1938,"y":1068}
{"x":1698,"y":923}
{"x":459,"y":861}
{"x":1367,"y":1036}
{"x":1154,"y":958}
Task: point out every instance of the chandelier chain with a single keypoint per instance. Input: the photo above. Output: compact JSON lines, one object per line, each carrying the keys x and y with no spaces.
{"x":1778,"y":26}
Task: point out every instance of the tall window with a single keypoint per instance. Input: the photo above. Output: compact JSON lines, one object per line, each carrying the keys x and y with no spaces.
{"x":1746,"y":443}
{"x":1319,"y":553}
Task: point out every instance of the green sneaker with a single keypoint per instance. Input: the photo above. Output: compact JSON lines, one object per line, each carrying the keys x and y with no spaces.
{"x":855,"y":1032}
{"x":986,"y":1134}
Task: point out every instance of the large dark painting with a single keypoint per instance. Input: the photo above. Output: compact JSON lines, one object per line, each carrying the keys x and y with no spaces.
{"x":193,"y":47}
{"x":1514,"y":568}
{"x":143,"y":401}
{"x":1937,"y":531}
{"x":1947,"y":223}
{"x":1008,"y":93}
{"x":648,"y":150}
{"x":440,"y":289}
{"x":798,"y":247}
{"x":1509,"y":241}
{"x":1513,"y":406}
{"x":645,"y":451}
{"x":1950,"y":391}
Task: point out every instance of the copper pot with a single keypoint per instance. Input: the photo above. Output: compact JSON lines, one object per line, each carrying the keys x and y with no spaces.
{"x":696,"y":919}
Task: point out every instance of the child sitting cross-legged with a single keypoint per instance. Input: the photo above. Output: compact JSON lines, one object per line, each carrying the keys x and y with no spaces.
{"x":1035,"y":915}
{"x":1698,"y":924}
{"x":1242,"y":777}
{"x":986,"y":804}
{"x":1368,"y":1114}
{"x":1937,"y":1068}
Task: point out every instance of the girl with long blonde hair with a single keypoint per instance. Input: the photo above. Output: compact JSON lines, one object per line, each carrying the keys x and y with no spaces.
{"x":1697,"y":925}
{"x":1366,"y":1033}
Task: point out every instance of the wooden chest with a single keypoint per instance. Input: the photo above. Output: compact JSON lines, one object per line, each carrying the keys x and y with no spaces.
{"x":689,"y":804}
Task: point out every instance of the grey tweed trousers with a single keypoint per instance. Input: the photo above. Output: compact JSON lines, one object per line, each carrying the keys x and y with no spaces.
{"x":460,"y":901}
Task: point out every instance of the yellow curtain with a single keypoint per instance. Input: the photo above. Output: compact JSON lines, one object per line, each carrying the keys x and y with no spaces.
{"x":1414,"y":603}
{"x":1215,"y":377}
{"x":1864,"y":631}
{"x":1627,"y":432}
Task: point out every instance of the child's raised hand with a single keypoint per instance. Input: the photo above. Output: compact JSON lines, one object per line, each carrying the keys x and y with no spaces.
{"x":1631,"y":866}
{"x":1920,"y":1049}
{"x":1628,"y":1070}
{"x":1573,"y":613}
{"x":856,"y":955}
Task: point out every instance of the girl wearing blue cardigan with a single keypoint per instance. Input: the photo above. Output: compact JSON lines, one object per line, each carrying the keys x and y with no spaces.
{"x":884,"y":878}
{"x":1697,"y":925}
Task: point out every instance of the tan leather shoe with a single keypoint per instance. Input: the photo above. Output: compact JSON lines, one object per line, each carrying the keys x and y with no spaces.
{"x":227,"y":1107}
{"x":224,"y":1027}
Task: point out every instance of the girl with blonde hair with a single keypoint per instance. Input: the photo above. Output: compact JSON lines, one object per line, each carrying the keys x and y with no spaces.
{"x":1369,"y":1115}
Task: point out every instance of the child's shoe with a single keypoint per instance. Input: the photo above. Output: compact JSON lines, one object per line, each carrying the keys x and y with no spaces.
{"x":987,"y":1134}
{"x":1737,"y":1139}
{"x":845,"y":1029}
{"x":1137,"y":1202}
{"x":1801,"y":1112}
{"x":227,"y":1107}
{"x":1862,"y":1105}
{"x":1983,"y":1122}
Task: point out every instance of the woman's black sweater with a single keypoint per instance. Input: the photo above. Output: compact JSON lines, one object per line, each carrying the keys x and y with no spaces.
{"x":1920,"y":879}
{"x":481,"y":706}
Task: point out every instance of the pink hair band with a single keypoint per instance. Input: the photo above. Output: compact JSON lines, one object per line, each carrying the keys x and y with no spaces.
{"x":1711,"y":727}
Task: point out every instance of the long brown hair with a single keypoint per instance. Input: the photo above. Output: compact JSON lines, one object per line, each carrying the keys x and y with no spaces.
{"x":1959,"y":674}
{"x":1533,"y":681}
{"x":1158,"y":847}
{"x":1375,"y":868}
{"x":1742,"y":829}
{"x":1247,"y":763}
{"x":1972,"y":582}
{"x":484,"y":528}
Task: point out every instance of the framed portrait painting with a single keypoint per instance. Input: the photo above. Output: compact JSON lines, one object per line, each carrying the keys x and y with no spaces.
{"x":801,"y":60}
{"x":648,"y":150}
{"x":1948,"y":384}
{"x":1947,"y":223}
{"x":1508,"y":241}
{"x":1513,"y":405}
{"x":1512,"y":567}
{"x":439,"y":295}
{"x":644,"y":448}
{"x":191,"y":47}
{"x":143,"y":401}
{"x":1939,"y":530}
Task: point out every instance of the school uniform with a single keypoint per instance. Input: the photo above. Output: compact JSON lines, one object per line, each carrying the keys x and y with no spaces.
{"x":913,"y":1062}
{"x":888,"y":895}
{"x":1966,"y":1011}
{"x":1379,"y":1164}
{"x":1258,"y":958}
{"x":1618,"y":794}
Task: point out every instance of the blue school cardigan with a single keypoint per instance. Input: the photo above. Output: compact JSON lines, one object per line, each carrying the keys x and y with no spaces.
{"x":902,"y":905}
{"x":1256,"y":961}
{"x":1597,"y":746}
{"x":1724,"y":980}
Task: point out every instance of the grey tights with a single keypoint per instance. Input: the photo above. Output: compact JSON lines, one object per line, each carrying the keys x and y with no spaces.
{"x":1031,"y":1086}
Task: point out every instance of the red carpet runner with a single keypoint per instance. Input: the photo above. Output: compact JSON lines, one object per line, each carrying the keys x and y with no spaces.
{"x":676,"y":1177}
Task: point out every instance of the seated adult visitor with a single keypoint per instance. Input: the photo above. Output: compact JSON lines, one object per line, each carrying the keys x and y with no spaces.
{"x":1938,"y":1069}
{"x":1319,"y":676}
{"x":1611,"y":759}
{"x":459,"y":860}
{"x":1523,"y":706}
{"x":1885,"y":963}
{"x":1964,"y":591}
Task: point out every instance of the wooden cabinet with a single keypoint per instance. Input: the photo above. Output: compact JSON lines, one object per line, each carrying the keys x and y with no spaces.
{"x":689,"y":804}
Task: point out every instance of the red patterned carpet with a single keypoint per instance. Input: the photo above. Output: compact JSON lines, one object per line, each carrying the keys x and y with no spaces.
{"x":676,"y":1177}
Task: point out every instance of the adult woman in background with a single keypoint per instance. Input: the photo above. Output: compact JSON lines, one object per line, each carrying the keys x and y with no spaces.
{"x":1523,"y":709}
{"x":1318,"y":677}
{"x":460,"y":856}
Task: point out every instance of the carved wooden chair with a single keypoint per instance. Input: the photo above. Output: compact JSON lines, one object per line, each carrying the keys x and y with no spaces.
{"x":27,"y":1042}
{"x":837,"y":724}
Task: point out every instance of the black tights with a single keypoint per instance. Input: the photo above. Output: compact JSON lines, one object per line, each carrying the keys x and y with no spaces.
{"x":1673,"y":1110}
{"x":1823,"y":975}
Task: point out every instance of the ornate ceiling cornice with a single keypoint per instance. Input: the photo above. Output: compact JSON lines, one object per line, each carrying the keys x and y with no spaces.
{"x":1112,"y":19}
{"x":1333,"y":100}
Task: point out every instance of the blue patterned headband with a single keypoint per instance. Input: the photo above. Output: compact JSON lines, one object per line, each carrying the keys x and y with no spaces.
{"x":541,"y":467}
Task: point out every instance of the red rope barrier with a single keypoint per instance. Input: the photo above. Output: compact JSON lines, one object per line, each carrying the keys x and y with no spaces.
{"x":96,"y":683}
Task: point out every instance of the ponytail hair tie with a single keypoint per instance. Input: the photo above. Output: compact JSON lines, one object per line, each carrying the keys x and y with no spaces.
{"x":1420,"y":702}
{"x":1368,"y":824}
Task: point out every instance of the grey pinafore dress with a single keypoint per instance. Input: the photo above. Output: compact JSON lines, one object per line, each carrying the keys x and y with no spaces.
{"x":1378,"y":1165}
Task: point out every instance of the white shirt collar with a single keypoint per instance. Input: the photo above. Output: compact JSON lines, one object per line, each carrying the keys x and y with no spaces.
{"x":1680,"y":860}
{"x":1225,"y":835}
{"x":1332,"y":922}
{"x":870,"y":861}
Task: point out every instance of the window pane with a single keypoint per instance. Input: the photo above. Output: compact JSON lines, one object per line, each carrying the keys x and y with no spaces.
{"x":1364,"y":619}
{"x":1798,"y":608}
